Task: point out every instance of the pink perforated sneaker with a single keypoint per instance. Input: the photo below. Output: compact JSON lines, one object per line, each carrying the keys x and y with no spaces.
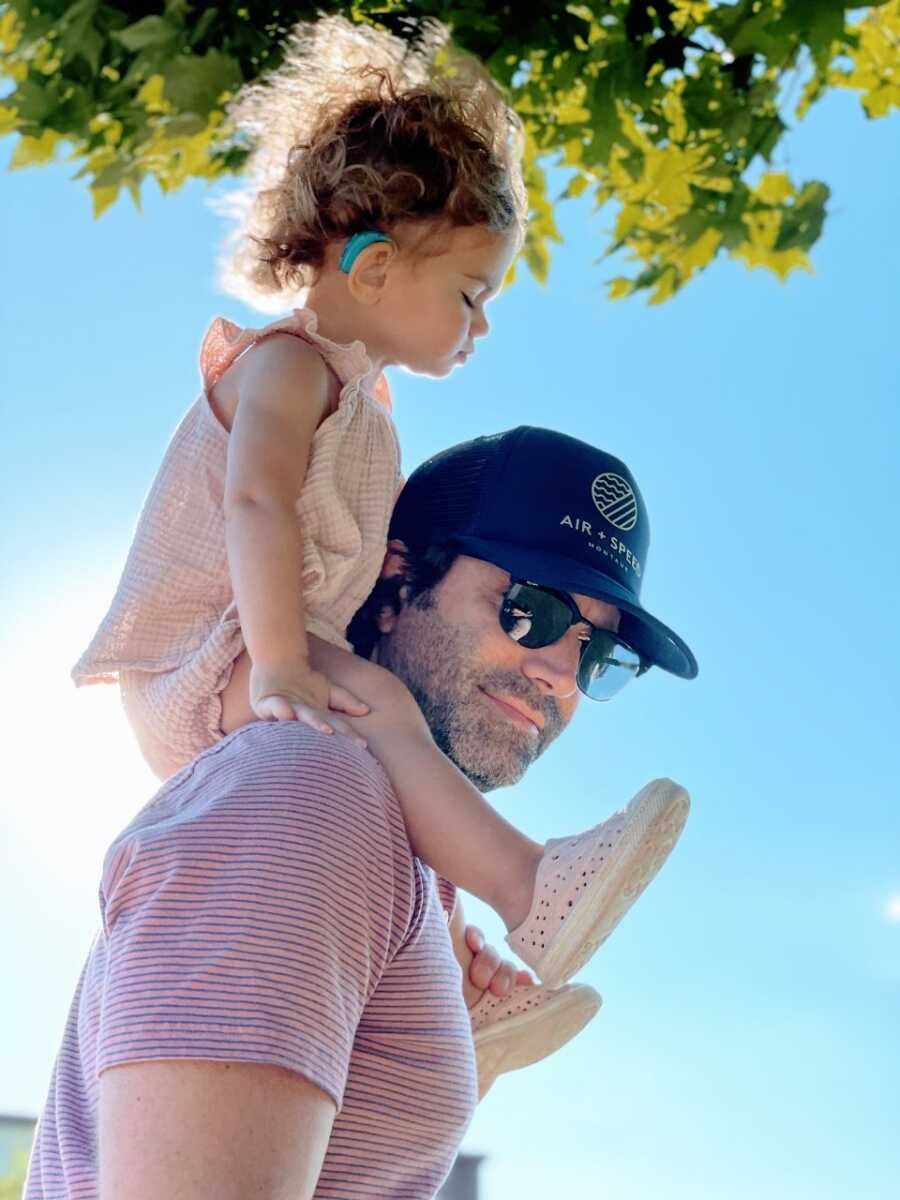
{"x":527,"y":1025}
{"x":586,"y":884}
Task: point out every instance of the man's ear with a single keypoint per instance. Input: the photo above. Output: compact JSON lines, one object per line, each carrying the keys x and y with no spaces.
{"x":395,"y":561}
{"x":395,"y":566}
{"x":369,"y":273}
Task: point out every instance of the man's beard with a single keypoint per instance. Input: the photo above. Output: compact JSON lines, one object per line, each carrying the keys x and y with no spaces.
{"x":439,"y":664}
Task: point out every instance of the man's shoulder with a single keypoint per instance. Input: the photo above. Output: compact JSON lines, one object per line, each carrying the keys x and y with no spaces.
{"x":289,"y":765}
{"x":295,"y":751}
{"x":274,"y":778}
{"x":276,"y":792}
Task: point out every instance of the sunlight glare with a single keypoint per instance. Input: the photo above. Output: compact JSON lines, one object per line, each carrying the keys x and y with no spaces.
{"x":76,"y":767}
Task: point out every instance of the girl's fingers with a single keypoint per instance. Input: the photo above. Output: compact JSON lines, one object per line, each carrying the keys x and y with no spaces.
{"x":343,"y":701}
{"x":483,"y":967}
{"x":340,"y":726}
{"x":502,"y":982}
{"x":309,"y":716}
{"x":274,"y":708}
{"x":474,"y":938}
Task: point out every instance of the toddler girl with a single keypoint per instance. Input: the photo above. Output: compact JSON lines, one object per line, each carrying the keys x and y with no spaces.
{"x":395,"y":198}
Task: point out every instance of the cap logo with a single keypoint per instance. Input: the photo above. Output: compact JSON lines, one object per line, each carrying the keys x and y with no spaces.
{"x":615,"y":500}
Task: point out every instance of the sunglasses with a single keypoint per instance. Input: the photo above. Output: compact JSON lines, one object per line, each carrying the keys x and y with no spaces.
{"x":537,"y":616}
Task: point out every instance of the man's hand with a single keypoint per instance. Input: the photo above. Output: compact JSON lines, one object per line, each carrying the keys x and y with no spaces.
{"x":487,"y":971}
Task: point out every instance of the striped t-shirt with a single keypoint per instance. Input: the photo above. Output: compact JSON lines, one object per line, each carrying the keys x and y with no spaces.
{"x":266,"y":907}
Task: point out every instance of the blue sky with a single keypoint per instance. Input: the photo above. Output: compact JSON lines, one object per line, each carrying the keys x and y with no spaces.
{"x":748,"y":1041}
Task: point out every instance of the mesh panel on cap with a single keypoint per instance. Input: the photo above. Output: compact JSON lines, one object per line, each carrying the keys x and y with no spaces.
{"x":440,"y":497}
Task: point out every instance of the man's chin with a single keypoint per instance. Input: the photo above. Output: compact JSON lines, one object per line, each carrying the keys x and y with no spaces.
{"x":491,"y":753}
{"x":487,"y":774}
{"x":439,"y":663}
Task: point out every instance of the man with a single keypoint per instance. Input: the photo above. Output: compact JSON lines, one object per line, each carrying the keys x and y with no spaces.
{"x":272,"y":1008}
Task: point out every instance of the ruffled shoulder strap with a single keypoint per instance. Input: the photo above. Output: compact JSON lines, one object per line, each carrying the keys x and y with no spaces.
{"x":224,"y":342}
{"x":382,"y":394}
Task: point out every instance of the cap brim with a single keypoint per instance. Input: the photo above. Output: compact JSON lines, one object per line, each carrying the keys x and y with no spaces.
{"x":653,"y":640}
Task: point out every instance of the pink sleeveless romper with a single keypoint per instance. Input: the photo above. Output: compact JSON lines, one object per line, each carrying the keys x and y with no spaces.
{"x":172,"y":635}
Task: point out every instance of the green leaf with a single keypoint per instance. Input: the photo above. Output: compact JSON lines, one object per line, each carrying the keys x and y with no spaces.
{"x":90,"y":48}
{"x":576,"y":186}
{"x":194,"y":83}
{"x":110,"y":176}
{"x":77,"y":35}
{"x":203,"y":26}
{"x":537,"y":256}
{"x":756,"y":37}
{"x":185,"y":125}
{"x":766,"y":135}
{"x":570,"y":71}
{"x":149,"y":32}
{"x":134,"y":191}
{"x":738,"y":125}
{"x":605,"y":125}
{"x":801,"y":223}
{"x":34,"y":101}
{"x":103,"y":197}
{"x":692,"y":225}
{"x":814,"y":193}
{"x":34,"y":151}
{"x":733,"y":233}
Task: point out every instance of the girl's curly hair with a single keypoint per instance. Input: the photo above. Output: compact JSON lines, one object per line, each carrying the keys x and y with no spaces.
{"x":360,"y":129}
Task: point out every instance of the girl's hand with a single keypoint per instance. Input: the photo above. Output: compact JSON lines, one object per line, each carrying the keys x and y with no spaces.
{"x":304,"y":695}
{"x":488,"y":972}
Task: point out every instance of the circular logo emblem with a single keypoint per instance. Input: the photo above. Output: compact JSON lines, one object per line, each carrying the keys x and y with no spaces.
{"x":615,"y":500}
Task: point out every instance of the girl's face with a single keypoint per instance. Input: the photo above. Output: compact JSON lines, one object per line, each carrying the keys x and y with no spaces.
{"x":433,"y":308}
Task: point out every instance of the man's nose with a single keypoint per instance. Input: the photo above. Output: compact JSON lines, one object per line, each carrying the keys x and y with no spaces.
{"x":553,"y":668}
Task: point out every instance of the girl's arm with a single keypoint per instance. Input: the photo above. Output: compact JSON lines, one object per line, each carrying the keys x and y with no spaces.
{"x":284,"y":394}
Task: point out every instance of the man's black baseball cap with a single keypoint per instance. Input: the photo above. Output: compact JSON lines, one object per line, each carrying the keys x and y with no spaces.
{"x":548,"y":509}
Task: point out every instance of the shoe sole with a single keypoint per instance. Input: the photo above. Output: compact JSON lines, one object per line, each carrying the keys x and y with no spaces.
{"x":528,"y":1037}
{"x":656,"y":818}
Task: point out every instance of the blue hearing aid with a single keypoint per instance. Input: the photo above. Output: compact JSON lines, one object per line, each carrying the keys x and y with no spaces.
{"x":356,"y":244}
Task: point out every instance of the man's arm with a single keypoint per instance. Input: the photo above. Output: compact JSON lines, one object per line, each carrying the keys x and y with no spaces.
{"x":210,"y":1131}
{"x":245,"y":928}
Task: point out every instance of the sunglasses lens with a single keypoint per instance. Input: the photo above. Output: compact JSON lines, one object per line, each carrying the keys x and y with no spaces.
{"x":606,"y":666}
{"x":532,"y":617}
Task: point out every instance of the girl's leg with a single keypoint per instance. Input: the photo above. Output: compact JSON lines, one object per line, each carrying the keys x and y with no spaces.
{"x":451,"y":826}
{"x":560,"y":901}
{"x":235,"y":696}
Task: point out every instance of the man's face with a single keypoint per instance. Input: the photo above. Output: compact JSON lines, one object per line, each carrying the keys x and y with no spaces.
{"x":492,"y":704}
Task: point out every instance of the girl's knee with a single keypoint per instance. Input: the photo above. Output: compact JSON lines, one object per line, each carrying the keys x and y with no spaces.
{"x":394,"y":711}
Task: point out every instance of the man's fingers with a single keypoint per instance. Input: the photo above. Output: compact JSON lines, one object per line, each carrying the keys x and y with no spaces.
{"x":340,"y":700}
